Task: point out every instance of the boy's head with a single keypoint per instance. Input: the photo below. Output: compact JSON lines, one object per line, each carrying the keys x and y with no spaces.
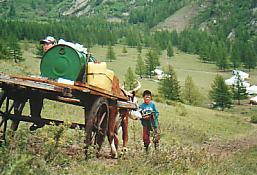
{"x":147,"y":95}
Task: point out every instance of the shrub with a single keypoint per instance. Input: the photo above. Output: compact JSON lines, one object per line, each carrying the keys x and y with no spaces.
{"x":254,"y":119}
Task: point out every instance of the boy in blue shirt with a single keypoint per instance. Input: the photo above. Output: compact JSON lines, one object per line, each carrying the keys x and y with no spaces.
{"x":149,"y":120}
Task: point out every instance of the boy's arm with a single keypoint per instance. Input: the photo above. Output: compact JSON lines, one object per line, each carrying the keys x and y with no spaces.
{"x":156,"y":112}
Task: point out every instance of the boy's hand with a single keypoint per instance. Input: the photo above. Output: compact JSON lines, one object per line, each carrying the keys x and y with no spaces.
{"x":146,"y":117}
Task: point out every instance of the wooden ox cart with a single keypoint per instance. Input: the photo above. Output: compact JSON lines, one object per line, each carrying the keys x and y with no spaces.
{"x":99,"y":105}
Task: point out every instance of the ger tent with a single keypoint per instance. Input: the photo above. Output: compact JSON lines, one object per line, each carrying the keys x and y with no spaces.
{"x":242,"y":74}
{"x":251,"y":90}
{"x":233,"y":80}
{"x":253,"y":100}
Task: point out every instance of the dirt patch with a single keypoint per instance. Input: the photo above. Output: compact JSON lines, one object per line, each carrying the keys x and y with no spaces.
{"x":230,"y":147}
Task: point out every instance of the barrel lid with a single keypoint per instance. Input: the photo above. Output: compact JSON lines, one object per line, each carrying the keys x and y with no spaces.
{"x":62,"y":61}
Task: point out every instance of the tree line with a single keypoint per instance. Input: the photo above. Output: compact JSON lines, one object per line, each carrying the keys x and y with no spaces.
{"x":156,"y":11}
{"x":228,"y":43}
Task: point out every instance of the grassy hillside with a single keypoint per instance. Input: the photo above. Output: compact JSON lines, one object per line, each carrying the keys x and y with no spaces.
{"x":184,"y":64}
{"x":193,"y":139}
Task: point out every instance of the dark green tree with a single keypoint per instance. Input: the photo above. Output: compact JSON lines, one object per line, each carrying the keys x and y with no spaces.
{"x":124,"y":50}
{"x":249,"y":57}
{"x":39,"y":51}
{"x":12,"y":11}
{"x":140,"y":67}
{"x":4,"y":52}
{"x":33,"y":4}
{"x":110,"y":54}
{"x":235,"y":56}
{"x":220,"y":93}
{"x":238,"y":89}
{"x":15,"y":50}
{"x":132,"y":38}
{"x":170,"y":51}
{"x":213,"y":56}
{"x":174,"y":37}
{"x":190,"y":93}
{"x":130,"y":80}
{"x":204,"y":52}
{"x":222,"y":58}
{"x":139,"y":48}
{"x":152,"y":61}
{"x":169,"y":86}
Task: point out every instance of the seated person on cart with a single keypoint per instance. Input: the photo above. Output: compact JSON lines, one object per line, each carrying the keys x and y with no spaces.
{"x":36,"y":100}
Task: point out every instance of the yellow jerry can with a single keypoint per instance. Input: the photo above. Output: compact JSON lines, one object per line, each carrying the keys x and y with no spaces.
{"x":98,"y":75}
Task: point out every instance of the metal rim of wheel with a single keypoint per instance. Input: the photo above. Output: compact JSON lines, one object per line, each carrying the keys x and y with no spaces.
{"x":97,"y":123}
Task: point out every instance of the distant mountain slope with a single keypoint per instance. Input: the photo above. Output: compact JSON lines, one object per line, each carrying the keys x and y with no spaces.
{"x":77,"y":7}
{"x":181,"y":19}
{"x":45,"y":9}
{"x":108,"y":9}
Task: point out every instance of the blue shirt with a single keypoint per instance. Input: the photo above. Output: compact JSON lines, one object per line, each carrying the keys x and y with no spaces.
{"x":150,"y":108}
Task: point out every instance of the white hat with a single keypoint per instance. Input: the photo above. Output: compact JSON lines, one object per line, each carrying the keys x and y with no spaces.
{"x":48,"y":39}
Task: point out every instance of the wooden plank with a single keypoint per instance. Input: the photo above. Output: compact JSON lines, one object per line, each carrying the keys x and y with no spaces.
{"x":127,"y":105}
{"x":42,"y":120}
{"x":49,"y":85}
{"x":30,"y":84}
{"x":78,"y":86}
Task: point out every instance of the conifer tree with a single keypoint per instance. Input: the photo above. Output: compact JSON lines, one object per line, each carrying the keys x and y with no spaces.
{"x":239,"y":90}
{"x":130,"y":79}
{"x":235,"y":56}
{"x":220,"y":93}
{"x":169,"y":86}
{"x":249,"y":58}
{"x":4,"y":53}
{"x":213,"y":52}
{"x":222,"y":59}
{"x":152,"y":61}
{"x":110,"y":54}
{"x":124,"y":50}
{"x":15,"y":50}
{"x":190,"y":93}
{"x":12,"y":11}
{"x":170,"y":51}
{"x":140,"y":67}
{"x":204,"y":52}
{"x":174,"y":37}
{"x":33,"y":5}
{"x":139,"y":48}
{"x":39,"y":51}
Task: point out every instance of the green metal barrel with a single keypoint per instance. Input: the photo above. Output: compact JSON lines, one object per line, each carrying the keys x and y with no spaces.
{"x":62,"y":61}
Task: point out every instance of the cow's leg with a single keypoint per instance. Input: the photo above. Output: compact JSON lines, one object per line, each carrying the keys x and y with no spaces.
{"x":111,"y":130}
{"x":124,"y":126}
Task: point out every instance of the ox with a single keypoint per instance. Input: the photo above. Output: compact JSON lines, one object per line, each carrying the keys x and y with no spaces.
{"x":119,"y":119}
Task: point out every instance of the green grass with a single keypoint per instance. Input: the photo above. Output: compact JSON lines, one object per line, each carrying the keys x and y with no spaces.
{"x":242,"y":163}
{"x":184,"y":65}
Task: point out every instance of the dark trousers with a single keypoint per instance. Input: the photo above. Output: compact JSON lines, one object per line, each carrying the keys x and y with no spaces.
{"x":36,"y":105}
{"x":146,"y":136}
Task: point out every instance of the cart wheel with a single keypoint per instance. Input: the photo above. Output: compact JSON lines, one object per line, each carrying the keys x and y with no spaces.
{"x":2,"y":98}
{"x":3,"y":118}
{"x":11,"y":107}
{"x":96,"y":124}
